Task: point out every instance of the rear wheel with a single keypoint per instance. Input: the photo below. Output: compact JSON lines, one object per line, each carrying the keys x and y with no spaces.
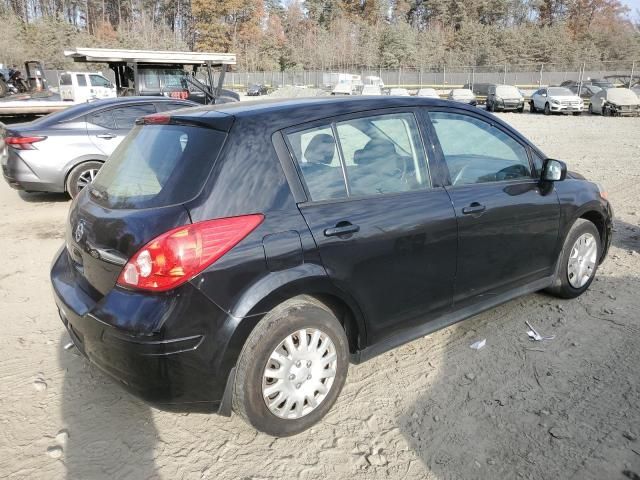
{"x":489,"y":107}
{"x":292,"y":368}
{"x":578,"y":260}
{"x":606,"y":111}
{"x":81,"y":176}
{"x":547,"y":109}
{"x":590,"y":109}
{"x":3,"y":88}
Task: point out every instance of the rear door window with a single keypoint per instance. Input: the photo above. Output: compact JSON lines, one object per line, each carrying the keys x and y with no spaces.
{"x":82,"y":80}
{"x":102,"y":119}
{"x":157,"y":165}
{"x":361,"y":157}
{"x":125,"y":117}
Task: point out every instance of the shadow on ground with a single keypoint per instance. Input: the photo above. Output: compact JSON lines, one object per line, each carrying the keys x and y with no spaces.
{"x":43,"y":197}
{"x":107,"y":433}
{"x":563,"y":408}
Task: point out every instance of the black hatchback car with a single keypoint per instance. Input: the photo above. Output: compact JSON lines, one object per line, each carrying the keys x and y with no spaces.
{"x":240,"y":257}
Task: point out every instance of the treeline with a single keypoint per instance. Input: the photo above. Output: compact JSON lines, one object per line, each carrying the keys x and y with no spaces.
{"x":329,"y":34}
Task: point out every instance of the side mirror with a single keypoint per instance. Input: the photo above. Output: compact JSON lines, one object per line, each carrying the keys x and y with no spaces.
{"x":553,"y":170}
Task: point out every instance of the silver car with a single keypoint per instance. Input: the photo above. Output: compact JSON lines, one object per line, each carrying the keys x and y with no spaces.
{"x":62,"y":152}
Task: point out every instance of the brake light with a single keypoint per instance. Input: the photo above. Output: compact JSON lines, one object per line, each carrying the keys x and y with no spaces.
{"x":180,"y":254}
{"x":23,"y":143}
{"x":156,"y":119}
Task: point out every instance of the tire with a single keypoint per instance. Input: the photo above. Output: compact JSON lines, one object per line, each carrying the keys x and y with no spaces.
{"x":532,"y":107}
{"x":590,"y":109}
{"x":606,"y":112}
{"x":521,"y":109}
{"x":547,"y":109}
{"x":489,"y":107}
{"x":284,"y":322}
{"x":576,"y":114}
{"x":3,"y":88}
{"x":567,"y":284}
{"x":81,"y":172}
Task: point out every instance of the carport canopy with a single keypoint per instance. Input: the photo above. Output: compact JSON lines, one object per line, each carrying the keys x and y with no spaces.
{"x":121,"y":60}
{"x":109,"y":55}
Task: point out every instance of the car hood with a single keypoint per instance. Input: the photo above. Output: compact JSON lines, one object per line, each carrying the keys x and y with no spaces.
{"x":575,"y":176}
{"x":622,"y":96}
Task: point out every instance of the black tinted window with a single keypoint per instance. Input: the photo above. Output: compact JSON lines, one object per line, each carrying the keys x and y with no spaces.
{"x":82,"y":80}
{"x":383,"y":154}
{"x":65,"y":79}
{"x":158,"y":165}
{"x":317,"y":155}
{"x":166,"y":106}
{"x":125,"y":117}
{"x":103,"y":119}
{"x":477,"y":152}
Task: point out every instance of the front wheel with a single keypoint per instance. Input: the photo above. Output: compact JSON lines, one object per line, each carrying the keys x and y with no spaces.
{"x":547,"y":109}
{"x":532,"y":107}
{"x":292,"y":368}
{"x":578,"y":260}
{"x":81,"y":176}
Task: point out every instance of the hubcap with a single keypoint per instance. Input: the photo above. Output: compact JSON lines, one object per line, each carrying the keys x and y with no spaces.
{"x":86,"y":178}
{"x":582,"y":260}
{"x":299,"y":373}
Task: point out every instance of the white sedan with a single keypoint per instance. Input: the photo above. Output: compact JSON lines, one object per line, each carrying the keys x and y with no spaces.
{"x":556,"y":99}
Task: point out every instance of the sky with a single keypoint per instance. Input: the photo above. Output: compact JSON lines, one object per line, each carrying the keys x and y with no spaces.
{"x":633,"y":5}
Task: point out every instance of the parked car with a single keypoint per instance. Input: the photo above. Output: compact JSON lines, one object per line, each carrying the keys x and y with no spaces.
{"x":343,"y":87}
{"x":201,"y":287}
{"x":84,"y":86}
{"x":556,"y":100}
{"x":504,"y":97}
{"x":257,"y":90}
{"x":478,"y":89}
{"x":399,"y":92}
{"x":462,"y":95}
{"x":586,"y":91}
{"x":601,"y":83}
{"x":374,"y":80}
{"x":427,"y":93}
{"x":371,"y":90}
{"x":617,"y":102}
{"x":62,"y":152}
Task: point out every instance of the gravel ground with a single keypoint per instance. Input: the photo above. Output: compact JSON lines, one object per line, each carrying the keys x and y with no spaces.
{"x":433,"y":409}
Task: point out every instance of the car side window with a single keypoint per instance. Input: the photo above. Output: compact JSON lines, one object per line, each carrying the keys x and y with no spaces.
{"x":477,"y":152}
{"x":103,"y":119}
{"x":383,"y":154}
{"x":82,"y":80}
{"x":125,"y":117}
{"x":316,"y":152}
{"x":98,"y":81}
{"x":168,"y":106}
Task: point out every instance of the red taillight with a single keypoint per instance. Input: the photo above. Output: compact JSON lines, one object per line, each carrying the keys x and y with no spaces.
{"x":23,"y":143}
{"x":180,"y":254}
{"x":156,"y":119}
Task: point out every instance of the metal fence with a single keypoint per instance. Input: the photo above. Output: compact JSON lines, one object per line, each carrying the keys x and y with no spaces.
{"x":443,"y":76}
{"x":531,"y":75}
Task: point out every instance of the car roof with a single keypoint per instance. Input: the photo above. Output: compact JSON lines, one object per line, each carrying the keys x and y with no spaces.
{"x":78,"y":110}
{"x":276,"y":114}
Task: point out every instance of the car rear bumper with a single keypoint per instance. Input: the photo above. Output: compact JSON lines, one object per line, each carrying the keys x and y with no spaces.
{"x":174,"y":365}
{"x":19,"y":176}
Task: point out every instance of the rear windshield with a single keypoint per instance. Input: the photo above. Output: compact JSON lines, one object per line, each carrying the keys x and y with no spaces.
{"x":156,"y":166}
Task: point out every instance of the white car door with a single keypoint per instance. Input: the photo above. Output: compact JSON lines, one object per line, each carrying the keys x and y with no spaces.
{"x":82,"y":88}
{"x":540,"y":98}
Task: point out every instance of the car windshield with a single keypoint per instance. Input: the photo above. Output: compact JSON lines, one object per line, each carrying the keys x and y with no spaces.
{"x":507,"y":91}
{"x":157,"y":165}
{"x":560,"y":91}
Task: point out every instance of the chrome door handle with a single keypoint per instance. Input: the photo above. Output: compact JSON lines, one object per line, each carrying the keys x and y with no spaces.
{"x":107,"y":136}
{"x":475,"y":207}
{"x":341,"y":229}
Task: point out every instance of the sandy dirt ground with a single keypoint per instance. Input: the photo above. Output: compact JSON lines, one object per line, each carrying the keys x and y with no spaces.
{"x":433,"y":409}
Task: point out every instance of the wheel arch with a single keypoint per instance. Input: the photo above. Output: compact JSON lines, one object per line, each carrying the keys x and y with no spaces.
{"x":76,"y":162}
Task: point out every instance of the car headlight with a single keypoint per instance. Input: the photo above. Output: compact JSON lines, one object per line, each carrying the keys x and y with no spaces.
{"x":555,"y":102}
